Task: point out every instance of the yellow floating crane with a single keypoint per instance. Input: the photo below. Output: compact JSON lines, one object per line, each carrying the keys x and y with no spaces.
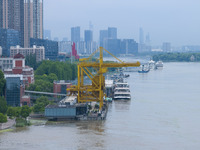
{"x":95,"y":91}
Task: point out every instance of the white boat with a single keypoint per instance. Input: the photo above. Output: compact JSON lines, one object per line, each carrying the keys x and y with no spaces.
{"x":151,"y":64}
{"x":159,"y":64}
{"x":121,"y":91}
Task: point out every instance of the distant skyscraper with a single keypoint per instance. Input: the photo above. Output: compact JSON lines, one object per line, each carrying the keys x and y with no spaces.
{"x":166,"y":47}
{"x":75,"y":34}
{"x":47,"y":34}
{"x":112,"y":33}
{"x":148,"y":40}
{"x":56,"y":39}
{"x":129,"y":46}
{"x":88,"y":36}
{"x":88,"y":40}
{"x":91,"y":25}
{"x":113,"y":46}
{"x":103,"y":36}
{"x":65,"y":39}
{"x":141,"y":36}
{"x":148,"y":43}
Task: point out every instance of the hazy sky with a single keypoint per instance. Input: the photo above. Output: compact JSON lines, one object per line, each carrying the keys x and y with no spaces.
{"x":175,"y":21}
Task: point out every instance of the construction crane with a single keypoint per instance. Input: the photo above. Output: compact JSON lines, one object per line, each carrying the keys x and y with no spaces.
{"x":95,"y":91}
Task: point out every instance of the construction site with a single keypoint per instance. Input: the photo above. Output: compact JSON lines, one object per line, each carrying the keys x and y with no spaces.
{"x":88,"y":100}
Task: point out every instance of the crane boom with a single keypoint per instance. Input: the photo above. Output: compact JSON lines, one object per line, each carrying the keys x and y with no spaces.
{"x":95,"y":92}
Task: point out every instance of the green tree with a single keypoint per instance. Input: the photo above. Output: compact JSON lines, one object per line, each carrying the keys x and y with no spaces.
{"x":31,"y":61}
{"x":52,"y":77}
{"x":3,"y":118}
{"x":38,"y":108}
{"x":2,"y":83}
{"x":25,"y":112}
{"x":11,"y":112}
{"x":3,"y":105}
{"x":40,"y":105}
{"x":17,"y":111}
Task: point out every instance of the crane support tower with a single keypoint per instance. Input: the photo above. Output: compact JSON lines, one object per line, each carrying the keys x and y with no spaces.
{"x":94,"y":70}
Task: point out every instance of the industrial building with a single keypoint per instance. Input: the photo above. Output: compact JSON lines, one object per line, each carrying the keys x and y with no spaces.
{"x":66,"y":109}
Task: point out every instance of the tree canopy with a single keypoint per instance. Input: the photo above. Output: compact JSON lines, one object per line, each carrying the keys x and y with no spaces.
{"x":3,"y":118}
{"x":2,"y":83}
{"x":63,"y":70}
{"x":25,"y":111}
{"x":3,"y":105}
{"x":40,"y":105}
{"x":50,"y":71}
{"x":31,"y":61}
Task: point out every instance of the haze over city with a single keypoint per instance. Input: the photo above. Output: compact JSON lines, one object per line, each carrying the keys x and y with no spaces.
{"x":167,"y":20}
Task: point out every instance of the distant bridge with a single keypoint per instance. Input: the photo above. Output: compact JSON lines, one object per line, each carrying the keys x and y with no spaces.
{"x":45,"y":93}
{"x":57,"y":97}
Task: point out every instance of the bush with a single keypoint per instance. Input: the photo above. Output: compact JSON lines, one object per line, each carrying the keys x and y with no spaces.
{"x":3,"y":105}
{"x":11,"y":112}
{"x":25,"y":111}
{"x":40,"y":105}
{"x":3,"y":118}
{"x":20,"y":122}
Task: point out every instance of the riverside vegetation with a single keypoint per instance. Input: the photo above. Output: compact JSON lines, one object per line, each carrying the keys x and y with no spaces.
{"x":177,"y":57}
{"x":48,"y":71}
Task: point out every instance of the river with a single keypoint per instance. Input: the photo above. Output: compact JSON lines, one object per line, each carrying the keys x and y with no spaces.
{"x":163,"y":114}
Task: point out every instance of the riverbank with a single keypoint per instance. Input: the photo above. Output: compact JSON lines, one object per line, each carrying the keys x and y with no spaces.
{"x":10,"y":123}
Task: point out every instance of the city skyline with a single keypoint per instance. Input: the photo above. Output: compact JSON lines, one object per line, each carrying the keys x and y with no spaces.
{"x":164,"y":21}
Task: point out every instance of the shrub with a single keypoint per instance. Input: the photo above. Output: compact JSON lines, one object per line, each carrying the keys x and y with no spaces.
{"x":3,"y":118}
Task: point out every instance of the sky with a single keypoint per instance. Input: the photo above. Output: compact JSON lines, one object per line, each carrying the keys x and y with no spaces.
{"x":175,"y":21}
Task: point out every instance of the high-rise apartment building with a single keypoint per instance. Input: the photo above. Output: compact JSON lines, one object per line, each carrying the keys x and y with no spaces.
{"x":25,"y":16}
{"x":8,"y":38}
{"x":112,"y":33}
{"x":33,"y":22}
{"x":1,"y":13}
{"x":12,"y":16}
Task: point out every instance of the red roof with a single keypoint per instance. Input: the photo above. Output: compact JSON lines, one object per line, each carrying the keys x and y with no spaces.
{"x":19,"y":56}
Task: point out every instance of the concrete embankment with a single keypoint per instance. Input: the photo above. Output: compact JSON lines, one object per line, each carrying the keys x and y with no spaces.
{"x":10,"y":123}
